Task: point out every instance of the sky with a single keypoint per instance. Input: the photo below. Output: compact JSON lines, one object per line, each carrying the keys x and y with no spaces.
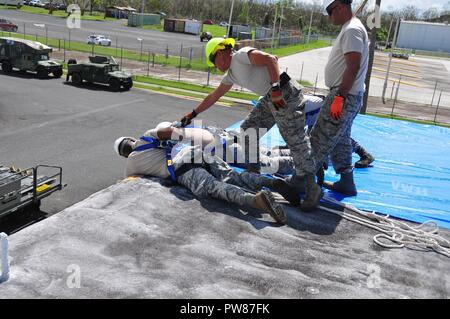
{"x":399,"y":4}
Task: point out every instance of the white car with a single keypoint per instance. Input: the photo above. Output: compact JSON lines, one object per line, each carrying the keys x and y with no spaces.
{"x":223,"y":24}
{"x":99,"y":39}
{"x":36,"y":3}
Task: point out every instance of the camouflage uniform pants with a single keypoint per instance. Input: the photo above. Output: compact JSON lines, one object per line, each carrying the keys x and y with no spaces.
{"x":217,"y":180}
{"x":331,"y":137}
{"x":280,"y":159}
{"x":291,"y":123}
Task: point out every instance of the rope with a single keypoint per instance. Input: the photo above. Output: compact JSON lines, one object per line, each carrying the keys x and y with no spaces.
{"x":395,"y":234}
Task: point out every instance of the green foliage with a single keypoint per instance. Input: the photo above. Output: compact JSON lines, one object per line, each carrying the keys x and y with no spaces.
{"x":382,"y":34}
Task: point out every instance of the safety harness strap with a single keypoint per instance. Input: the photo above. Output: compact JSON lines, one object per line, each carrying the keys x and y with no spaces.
{"x":166,"y":145}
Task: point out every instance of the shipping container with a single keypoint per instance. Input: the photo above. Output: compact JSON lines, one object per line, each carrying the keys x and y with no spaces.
{"x":289,"y":37}
{"x":193,"y":27}
{"x":139,"y":19}
{"x":179,"y":26}
{"x":263,"y":33}
{"x":245,"y":36}
{"x":418,"y":35}
{"x":236,"y":29}
{"x":169,"y":25}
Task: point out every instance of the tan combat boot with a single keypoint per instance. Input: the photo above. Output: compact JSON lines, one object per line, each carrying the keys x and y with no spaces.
{"x":265,"y":201}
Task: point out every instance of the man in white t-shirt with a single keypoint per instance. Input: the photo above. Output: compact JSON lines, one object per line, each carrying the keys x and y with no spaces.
{"x":345,"y":75}
{"x":282,"y":104}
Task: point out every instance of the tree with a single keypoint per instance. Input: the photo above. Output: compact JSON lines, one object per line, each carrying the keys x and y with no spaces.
{"x":431,"y":13}
{"x":410,"y":13}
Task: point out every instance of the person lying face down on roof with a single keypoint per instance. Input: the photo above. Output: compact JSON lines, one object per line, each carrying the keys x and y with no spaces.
{"x":168,"y":152}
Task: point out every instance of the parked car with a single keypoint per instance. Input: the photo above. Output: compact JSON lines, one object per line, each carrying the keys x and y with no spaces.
{"x":36,"y":3}
{"x":205,"y":36}
{"x":208,"y":21}
{"x":6,"y":25}
{"x":48,"y":5}
{"x":99,"y":40}
{"x":223,"y":24}
{"x":400,"y":55}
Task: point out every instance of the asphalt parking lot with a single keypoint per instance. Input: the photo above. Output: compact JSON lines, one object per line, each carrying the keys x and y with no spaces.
{"x":154,"y":41}
{"x":51,"y":122}
{"x":418,"y":75}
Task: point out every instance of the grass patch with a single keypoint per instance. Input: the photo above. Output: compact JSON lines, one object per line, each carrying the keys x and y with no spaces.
{"x":305,"y":83}
{"x":178,"y":93}
{"x":96,"y":16}
{"x":297,"y":48}
{"x":194,"y":87}
{"x":215,"y":30}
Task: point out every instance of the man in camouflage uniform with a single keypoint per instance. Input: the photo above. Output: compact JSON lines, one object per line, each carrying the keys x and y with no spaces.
{"x":204,"y":174}
{"x":282,"y":104}
{"x":345,"y":75}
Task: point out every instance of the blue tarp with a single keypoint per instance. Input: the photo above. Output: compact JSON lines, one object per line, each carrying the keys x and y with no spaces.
{"x":410,"y":178}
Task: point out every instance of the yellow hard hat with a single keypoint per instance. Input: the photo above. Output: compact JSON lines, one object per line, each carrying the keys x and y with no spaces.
{"x":214,"y":45}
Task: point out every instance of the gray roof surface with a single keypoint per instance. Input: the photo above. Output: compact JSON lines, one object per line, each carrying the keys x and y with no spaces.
{"x":142,"y":238}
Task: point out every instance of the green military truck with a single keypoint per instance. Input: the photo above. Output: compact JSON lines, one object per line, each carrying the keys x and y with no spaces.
{"x":99,"y":69}
{"x":26,"y":55}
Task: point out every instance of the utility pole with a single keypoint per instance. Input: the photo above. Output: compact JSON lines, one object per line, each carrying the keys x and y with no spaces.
{"x":229,"y":21}
{"x":142,"y":13}
{"x":281,"y":17}
{"x":389,"y":34}
{"x":373,"y":39}
{"x":310,"y":24}
{"x":274,"y":27}
{"x":394,"y":41}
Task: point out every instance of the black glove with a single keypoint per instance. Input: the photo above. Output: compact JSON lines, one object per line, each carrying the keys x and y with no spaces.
{"x":187,"y":119}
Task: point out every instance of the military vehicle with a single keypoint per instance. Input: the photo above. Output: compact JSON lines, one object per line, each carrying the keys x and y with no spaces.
{"x":99,"y":69}
{"x":205,"y":36}
{"x":27,"y":55}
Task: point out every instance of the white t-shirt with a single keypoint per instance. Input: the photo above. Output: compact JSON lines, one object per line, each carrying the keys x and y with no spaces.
{"x":353,"y":38}
{"x":243,"y":73}
{"x":153,"y":162}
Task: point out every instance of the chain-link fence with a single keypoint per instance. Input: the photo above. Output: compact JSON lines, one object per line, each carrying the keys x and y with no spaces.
{"x":184,"y":45}
{"x":179,"y":55}
{"x":417,"y":88}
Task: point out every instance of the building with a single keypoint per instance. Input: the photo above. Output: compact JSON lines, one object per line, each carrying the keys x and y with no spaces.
{"x":119,"y":12}
{"x":427,"y":36}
